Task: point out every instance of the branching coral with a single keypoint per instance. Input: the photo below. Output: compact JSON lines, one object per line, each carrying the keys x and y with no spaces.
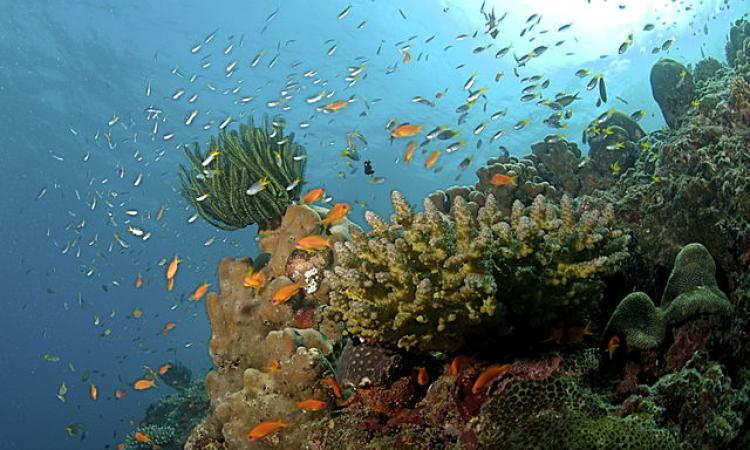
{"x":419,"y":281}
{"x":216,"y":181}
{"x":427,"y":279}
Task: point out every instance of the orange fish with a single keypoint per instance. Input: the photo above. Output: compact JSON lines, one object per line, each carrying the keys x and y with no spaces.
{"x":336,"y":106}
{"x":406,"y":130}
{"x":459,"y":361}
{"x":336,"y":214}
{"x":577,"y":333}
{"x":330,"y":381}
{"x":285,"y":293}
{"x":489,"y":375}
{"x":254,"y":280}
{"x":612,"y":346}
{"x":312,"y":405}
{"x":169,"y":326}
{"x":142,"y":437}
{"x":143,"y":384}
{"x":407,"y":57}
{"x":312,"y":242}
{"x":274,"y":367}
{"x":120,"y":394}
{"x":313,"y":196}
{"x":120,"y":446}
{"x":172,"y":268}
{"x":265,"y":428}
{"x":93,"y":392}
{"x":409,"y":153}
{"x":432,"y":159}
{"x":555,"y":335}
{"x":138,"y":281}
{"x":164,"y":368}
{"x":422,"y":376}
{"x":137,"y":312}
{"x":170,"y":284}
{"x":200,"y":291}
{"x":501,"y":179}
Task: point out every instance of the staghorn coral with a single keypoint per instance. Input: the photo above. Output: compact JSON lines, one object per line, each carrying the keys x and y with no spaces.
{"x":691,"y":292}
{"x":427,"y":280}
{"x":561,"y":413}
{"x":244,"y":157}
{"x":673,"y":89}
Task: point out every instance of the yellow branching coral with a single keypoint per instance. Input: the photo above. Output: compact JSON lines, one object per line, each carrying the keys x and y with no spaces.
{"x":419,"y":281}
{"x":430,"y":279}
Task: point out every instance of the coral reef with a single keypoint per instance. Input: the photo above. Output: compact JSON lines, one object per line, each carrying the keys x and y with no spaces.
{"x":613,"y":140}
{"x":673,"y":89}
{"x":263,"y":364}
{"x":738,"y":47}
{"x":699,"y":403}
{"x":178,"y":377}
{"x":706,"y":69}
{"x":691,"y":292}
{"x":244,"y":177}
{"x":560,"y":413}
{"x":686,"y":184}
{"x":429,"y":280}
{"x":419,"y":281}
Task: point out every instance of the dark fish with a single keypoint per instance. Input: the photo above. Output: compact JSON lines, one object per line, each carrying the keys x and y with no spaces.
{"x":368,"y":168}
{"x":602,"y":90}
{"x":564,"y":27}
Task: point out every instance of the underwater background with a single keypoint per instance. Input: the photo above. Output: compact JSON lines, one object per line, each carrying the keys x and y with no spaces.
{"x":99,"y":97}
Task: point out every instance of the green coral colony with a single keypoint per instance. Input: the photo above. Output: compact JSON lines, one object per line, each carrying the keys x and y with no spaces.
{"x":499,"y":316}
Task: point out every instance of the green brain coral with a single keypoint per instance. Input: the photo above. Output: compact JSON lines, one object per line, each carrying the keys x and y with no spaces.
{"x":428,"y":280}
{"x":217,"y":186}
{"x":691,"y":291}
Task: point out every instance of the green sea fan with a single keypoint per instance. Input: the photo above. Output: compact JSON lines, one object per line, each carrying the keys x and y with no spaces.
{"x":219,"y":191}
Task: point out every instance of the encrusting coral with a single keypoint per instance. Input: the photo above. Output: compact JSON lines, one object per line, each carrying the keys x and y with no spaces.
{"x":216,"y":181}
{"x":698,"y":402}
{"x":427,"y":280}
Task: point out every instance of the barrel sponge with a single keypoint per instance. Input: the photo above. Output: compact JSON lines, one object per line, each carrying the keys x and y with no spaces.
{"x":638,"y":320}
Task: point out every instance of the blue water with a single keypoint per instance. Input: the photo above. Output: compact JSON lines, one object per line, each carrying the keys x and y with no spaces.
{"x":67,"y":68}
